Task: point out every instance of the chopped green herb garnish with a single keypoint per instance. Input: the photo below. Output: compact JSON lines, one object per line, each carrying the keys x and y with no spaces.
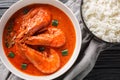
{"x":65,"y":52}
{"x":24,"y":66}
{"x":41,"y":49}
{"x":11,"y":54}
{"x":25,"y":11}
{"x":10,"y":26}
{"x":7,"y":44}
{"x":55,"y":22}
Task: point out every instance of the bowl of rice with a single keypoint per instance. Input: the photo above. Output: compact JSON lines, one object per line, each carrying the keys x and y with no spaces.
{"x":102,"y":18}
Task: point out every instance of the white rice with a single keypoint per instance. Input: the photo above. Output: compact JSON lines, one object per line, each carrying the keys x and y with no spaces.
{"x":102,"y":17}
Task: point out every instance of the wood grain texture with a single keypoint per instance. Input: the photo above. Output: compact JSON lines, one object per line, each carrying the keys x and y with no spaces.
{"x":104,"y":74}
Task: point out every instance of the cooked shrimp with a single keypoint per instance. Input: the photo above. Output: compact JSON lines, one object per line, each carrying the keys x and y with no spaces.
{"x":45,"y":62}
{"x":19,"y":51}
{"x":54,"y":38}
{"x":33,"y":21}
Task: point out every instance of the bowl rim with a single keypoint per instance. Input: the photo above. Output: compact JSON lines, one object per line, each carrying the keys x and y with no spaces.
{"x":22,"y":3}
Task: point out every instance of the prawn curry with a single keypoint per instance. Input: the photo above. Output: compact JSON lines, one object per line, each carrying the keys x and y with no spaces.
{"x":39,"y":39}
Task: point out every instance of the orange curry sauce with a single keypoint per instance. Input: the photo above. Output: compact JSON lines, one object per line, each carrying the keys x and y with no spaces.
{"x":64,"y":24}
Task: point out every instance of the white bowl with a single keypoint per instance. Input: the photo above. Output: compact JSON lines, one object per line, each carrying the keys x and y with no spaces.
{"x":22,"y":3}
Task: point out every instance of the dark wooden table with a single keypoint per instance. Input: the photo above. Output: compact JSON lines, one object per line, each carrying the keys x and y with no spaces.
{"x":107,"y":66}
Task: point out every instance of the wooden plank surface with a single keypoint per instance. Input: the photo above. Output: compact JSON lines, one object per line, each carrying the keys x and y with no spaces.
{"x":104,"y":74}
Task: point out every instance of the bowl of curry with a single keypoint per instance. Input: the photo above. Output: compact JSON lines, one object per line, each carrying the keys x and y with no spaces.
{"x":40,"y":39}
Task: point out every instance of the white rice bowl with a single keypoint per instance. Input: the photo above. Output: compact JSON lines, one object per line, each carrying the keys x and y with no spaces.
{"x":102,"y":17}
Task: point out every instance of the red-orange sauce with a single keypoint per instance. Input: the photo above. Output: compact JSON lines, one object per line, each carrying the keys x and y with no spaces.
{"x":65,"y":25}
